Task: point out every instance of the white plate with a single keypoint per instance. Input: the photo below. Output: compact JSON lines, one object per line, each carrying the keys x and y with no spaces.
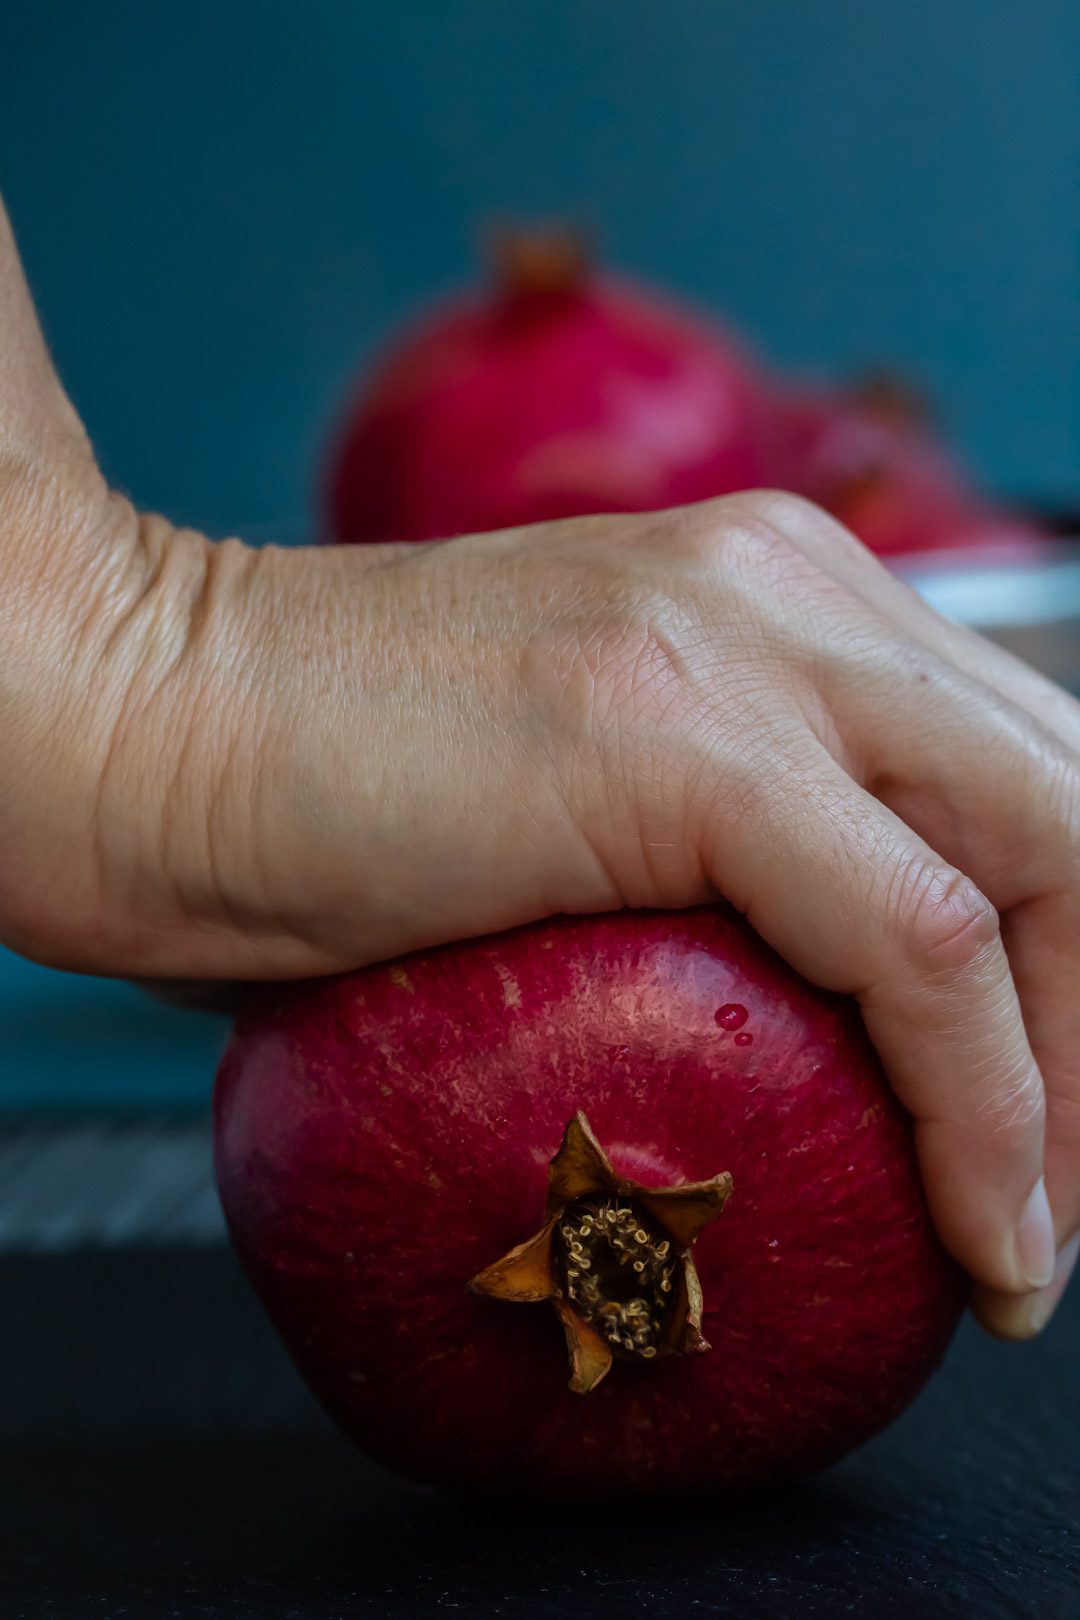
{"x":987,"y":594}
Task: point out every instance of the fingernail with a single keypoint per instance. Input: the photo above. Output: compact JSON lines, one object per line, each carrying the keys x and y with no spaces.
{"x":1043,"y":1304}
{"x":1036,"y":1250}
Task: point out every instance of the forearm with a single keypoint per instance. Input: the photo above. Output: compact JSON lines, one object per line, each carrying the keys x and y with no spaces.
{"x":223,"y":762}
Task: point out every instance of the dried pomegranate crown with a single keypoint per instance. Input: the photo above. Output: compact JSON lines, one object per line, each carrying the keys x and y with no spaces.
{"x":614,"y":1259}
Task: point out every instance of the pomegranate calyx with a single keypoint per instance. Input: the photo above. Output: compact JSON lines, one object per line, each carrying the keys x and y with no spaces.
{"x":614,"y":1259}
{"x":538,"y":261}
{"x":892,"y":398}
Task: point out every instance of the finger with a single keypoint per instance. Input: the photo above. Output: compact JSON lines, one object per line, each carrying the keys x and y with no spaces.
{"x":1043,"y":942}
{"x":1022,"y":1317}
{"x":997,"y":794}
{"x":1053,"y":1031}
{"x":858,"y":903}
{"x":999,"y":799}
{"x":1042,"y":930}
{"x":1026,"y":858}
{"x":840,"y":554}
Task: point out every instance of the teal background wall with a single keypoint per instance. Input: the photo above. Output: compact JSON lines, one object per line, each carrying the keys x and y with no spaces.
{"x":224,"y":206}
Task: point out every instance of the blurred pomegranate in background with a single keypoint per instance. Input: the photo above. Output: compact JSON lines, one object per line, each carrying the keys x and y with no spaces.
{"x":561,"y":391}
{"x":868,"y":454}
{"x":557,"y":393}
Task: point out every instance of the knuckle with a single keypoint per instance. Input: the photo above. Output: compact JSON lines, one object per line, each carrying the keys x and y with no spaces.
{"x":728,"y":535}
{"x":687,"y":537}
{"x":759,"y":548}
{"x":804,"y":522}
{"x":784,"y":510}
{"x":946,"y":924}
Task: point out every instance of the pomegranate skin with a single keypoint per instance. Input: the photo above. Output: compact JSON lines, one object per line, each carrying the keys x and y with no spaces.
{"x":383,"y":1136}
{"x":527,"y":406}
{"x":891,"y":481}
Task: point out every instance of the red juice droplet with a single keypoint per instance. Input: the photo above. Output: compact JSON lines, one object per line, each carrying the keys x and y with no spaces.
{"x":732,"y":1016}
{"x":743,"y":1040}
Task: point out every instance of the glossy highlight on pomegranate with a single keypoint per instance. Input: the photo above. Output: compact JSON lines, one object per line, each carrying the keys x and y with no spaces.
{"x":385,"y":1138}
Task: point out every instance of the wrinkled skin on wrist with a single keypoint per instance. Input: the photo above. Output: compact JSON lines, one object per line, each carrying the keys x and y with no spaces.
{"x":223,"y":763}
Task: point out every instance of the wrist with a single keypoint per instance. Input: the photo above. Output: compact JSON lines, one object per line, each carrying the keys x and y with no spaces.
{"x":77,"y":570}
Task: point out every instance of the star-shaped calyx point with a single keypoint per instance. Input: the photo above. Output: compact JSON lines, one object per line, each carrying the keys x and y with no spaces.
{"x":614,"y":1259}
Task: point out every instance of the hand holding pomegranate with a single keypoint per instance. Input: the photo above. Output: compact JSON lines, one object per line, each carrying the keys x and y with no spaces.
{"x":222,"y":763}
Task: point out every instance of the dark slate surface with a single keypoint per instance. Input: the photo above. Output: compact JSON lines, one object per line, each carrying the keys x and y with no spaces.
{"x":158,"y":1459}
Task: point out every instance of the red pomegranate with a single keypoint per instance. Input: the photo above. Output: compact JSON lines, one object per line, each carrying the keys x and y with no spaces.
{"x":558,"y":394}
{"x":731,"y":1243}
{"x":868,"y":455}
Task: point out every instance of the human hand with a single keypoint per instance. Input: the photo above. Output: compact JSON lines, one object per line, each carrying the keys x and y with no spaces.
{"x":223,"y":763}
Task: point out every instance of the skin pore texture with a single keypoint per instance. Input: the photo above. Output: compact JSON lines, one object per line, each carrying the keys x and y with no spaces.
{"x":223,"y":763}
